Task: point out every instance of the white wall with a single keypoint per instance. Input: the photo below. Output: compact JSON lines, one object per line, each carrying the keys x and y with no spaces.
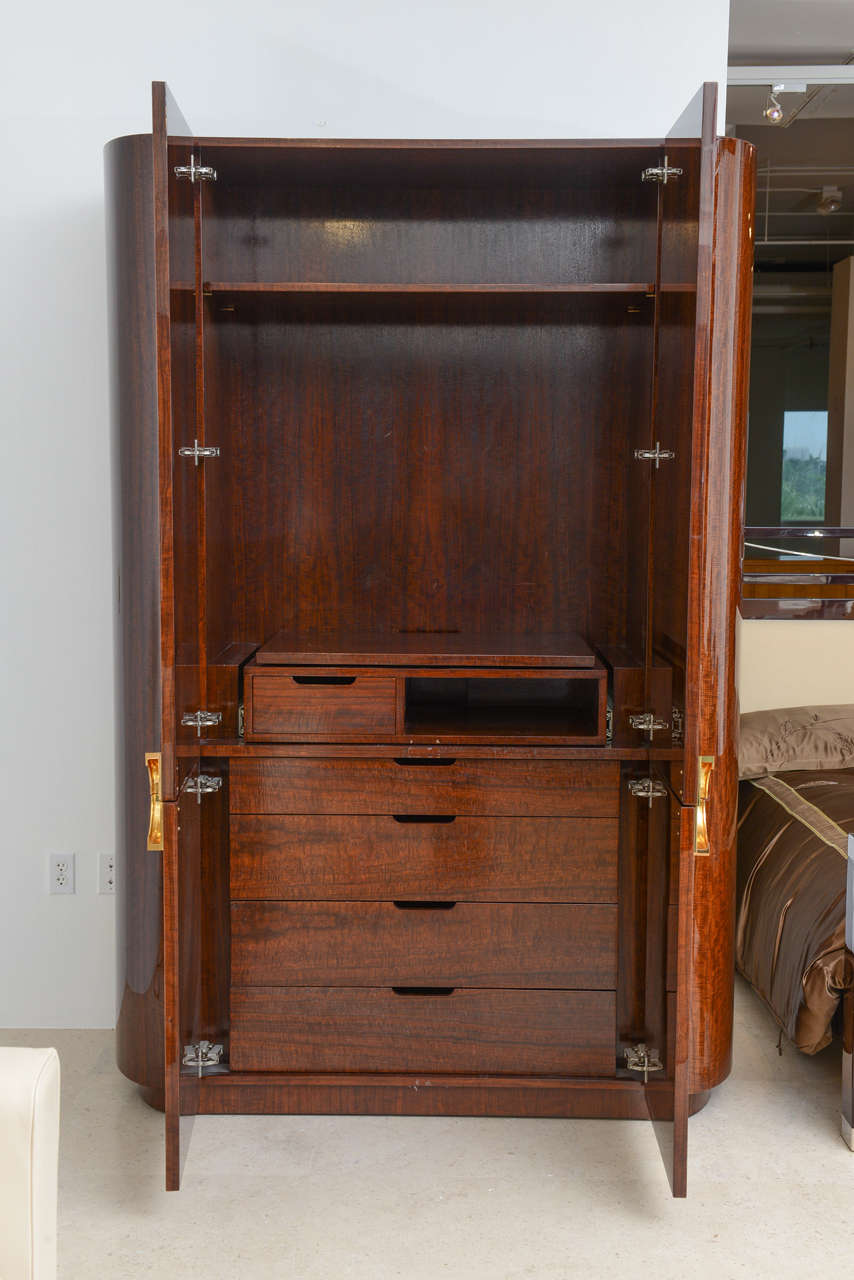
{"x":794,"y":663}
{"x":77,"y":75}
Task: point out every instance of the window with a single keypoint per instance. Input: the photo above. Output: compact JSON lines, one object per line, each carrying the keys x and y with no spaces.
{"x":804,"y":475}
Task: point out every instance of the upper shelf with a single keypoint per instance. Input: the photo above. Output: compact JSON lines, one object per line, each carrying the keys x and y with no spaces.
{"x":424,"y":648}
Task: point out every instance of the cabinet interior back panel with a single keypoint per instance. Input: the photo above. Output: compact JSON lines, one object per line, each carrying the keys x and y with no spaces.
{"x":436,"y":464}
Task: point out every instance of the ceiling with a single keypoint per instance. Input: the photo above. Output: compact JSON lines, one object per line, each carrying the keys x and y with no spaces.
{"x":813,"y":147}
{"x":765,"y":31}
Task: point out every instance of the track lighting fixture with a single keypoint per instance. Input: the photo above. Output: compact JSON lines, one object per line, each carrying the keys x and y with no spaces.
{"x":831,"y":200}
{"x":772,"y":111}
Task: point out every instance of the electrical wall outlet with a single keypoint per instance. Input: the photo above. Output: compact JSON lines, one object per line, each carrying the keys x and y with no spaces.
{"x":107,"y":873}
{"x":61,"y":872}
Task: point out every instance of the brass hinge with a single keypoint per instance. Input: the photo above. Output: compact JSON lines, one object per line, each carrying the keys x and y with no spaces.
{"x":640,"y":1058}
{"x":198,"y":451}
{"x":647,"y":789}
{"x":656,"y":455}
{"x":199,"y":720}
{"x":648,"y":722}
{"x":203,"y":1056}
{"x":661,"y":173}
{"x":202,"y":784}
{"x":195,"y":172}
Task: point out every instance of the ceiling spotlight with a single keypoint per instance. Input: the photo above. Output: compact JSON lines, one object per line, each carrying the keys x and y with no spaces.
{"x":831,"y":200}
{"x":772,"y":111}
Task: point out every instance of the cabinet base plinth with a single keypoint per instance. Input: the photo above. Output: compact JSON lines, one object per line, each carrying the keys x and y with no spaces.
{"x":277,"y":1094}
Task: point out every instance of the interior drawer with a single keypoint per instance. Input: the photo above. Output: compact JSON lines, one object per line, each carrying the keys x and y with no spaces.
{"x":282,"y":706}
{"x":344,"y":1029}
{"x":463,"y":944}
{"x":437,"y":856}
{"x":550,"y":788}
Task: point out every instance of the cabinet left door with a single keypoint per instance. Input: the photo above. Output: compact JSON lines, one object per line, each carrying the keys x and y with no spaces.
{"x":152,"y":339}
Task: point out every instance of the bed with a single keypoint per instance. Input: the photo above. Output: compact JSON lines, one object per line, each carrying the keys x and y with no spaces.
{"x":794,"y":885}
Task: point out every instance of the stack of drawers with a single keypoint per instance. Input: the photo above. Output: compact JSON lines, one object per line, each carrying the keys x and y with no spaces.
{"x":439,"y":915}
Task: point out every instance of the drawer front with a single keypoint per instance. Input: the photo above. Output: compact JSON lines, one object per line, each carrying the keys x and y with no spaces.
{"x":549,"y":788}
{"x":335,"y":1029}
{"x":464,"y":944}
{"x":304,"y":856}
{"x":280,"y":706}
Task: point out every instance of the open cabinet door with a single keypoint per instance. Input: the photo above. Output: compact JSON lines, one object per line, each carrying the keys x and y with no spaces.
{"x":702,"y":333}
{"x":177,"y":308}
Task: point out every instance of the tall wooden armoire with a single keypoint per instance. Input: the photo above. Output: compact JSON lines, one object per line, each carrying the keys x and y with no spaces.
{"x":429,"y":462}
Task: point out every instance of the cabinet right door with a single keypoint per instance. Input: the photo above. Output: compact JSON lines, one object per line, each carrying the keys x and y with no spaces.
{"x":702,"y":335}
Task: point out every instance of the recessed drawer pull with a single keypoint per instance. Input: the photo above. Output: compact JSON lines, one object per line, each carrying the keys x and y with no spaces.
{"x":324,"y":679}
{"x":423,"y":991}
{"x":420,"y":905}
{"x":432,"y":760}
{"x":414,"y":818}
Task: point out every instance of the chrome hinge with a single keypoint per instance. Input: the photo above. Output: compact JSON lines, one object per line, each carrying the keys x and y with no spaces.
{"x":647,"y":789}
{"x":609,"y":720}
{"x":197,"y":451}
{"x":202,"y":1056}
{"x":661,"y":173}
{"x":202,"y":785}
{"x":655,"y":455}
{"x":639,"y":1058}
{"x":241,"y":720}
{"x":648,"y":722}
{"x":199,"y":720}
{"x":195,"y":171}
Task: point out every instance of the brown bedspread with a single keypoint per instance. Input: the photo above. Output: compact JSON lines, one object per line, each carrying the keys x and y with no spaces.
{"x":792,"y":866}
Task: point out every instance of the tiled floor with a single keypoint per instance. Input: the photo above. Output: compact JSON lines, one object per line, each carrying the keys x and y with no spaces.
{"x":771,"y":1185}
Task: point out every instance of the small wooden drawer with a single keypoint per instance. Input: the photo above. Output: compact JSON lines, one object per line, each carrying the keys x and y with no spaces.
{"x":409,"y":786}
{"x":357,"y":856}
{"x":345,"y":1029}
{"x":288,"y":707}
{"x":416,"y":943}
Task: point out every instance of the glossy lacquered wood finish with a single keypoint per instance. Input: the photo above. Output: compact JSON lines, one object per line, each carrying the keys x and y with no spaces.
{"x":417,"y":943}
{"x":388,"y":1094}
{"x":133,"y":360}
{"x":441,"y":856}
{"x":334,"y":1029}
{"x":427,"y":368}
{"x":285,"y":706}
{"x":714,"y":587}
{"x":425,"y":785}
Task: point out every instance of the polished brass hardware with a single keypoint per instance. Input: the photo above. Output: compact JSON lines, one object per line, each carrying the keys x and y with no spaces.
{"x":705,"y":766}
{"x":154,"y":765}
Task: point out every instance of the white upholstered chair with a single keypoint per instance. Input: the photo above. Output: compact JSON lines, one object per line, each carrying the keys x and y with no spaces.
{"x":29,"y":1154}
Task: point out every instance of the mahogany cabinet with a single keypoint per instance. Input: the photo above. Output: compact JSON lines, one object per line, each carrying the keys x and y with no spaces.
{"x":429,"y":465}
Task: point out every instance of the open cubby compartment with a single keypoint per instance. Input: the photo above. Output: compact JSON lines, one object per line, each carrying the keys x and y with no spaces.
{"x":537,"y":705}
{"x":430,"y":214}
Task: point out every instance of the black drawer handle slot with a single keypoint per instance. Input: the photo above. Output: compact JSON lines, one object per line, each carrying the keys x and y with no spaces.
{"x":423,"y":991}
{"x":407,"y":819}
{"x":324,"y":679}
{"x":404,"y":905}
{"x":431,"y":760}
